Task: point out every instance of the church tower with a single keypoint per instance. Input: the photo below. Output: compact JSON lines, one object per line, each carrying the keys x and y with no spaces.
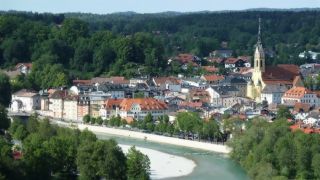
{"x":259,"y":57}
{"x":256,"y":85}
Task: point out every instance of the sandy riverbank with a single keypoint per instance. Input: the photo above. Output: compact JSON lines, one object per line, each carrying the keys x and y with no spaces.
{"x":163,"y":165}
{"x":158,"y":138}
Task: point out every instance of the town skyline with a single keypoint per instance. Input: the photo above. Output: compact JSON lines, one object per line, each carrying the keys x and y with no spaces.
{"x":144,"y":6}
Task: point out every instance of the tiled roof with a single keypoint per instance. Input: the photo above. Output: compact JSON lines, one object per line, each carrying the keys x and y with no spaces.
{"x":110,"y":103}
{"x":162,"y":80}
{"x":191,"y":104}
{"x":283,"y":74}
{"x":210,"y":69}
{"x":231,"y":60}
{"x":297,"y":92}
{"x":59,"y":94}
{"x":185,"y":58}
{"x":274,"y":89}
{"x":113,"y":80}
{"x":25,"y":93}
{"x":213,"y":77}
{"x":144,"y":103}
{"x":81,"y":82}
{"x":301,"y":106}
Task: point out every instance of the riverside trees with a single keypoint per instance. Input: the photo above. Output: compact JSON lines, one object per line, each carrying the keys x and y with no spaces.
{"x":53,"y":152}
{"x":272,"y":151}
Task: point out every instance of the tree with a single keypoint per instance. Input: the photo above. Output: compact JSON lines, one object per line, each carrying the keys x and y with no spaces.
{"x":99,"y":120}
{"x":87,"y":136}
{"x":46,"y":130}
{"x":62,"y":152}
{"x":21,"y":132}
{"x":38,"y":165}
{"x":32,"y":124}
{"x":211,"y":130}
{"x":283,"y":112}
{"x":5,"y":90}
{"x":138,"y":165}
{"x":101,"y":159}
{"x":86,"y":119}
{"x":92,"y":120}
{"x":4,"y":120}
{"x":188,"y":122}
{"x":147,"y":122}
{"x":14,"y":125}
{"x":316,"y":165}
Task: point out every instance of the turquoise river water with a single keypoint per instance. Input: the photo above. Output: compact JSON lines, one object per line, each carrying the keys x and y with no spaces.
{"x":210,"y":165}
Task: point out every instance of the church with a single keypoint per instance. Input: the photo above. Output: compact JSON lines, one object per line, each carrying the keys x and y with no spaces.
{"x":271,"y":77}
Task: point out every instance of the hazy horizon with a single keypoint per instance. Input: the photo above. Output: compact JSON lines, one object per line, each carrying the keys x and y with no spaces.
{"x":148,"y":6}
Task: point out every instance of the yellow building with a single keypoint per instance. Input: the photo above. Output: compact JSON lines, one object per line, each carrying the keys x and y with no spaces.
{"x":275,"y":76}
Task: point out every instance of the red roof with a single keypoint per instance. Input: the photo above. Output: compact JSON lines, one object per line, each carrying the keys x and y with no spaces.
{"x":162,"y":80}
{"x":82,"y":82}
{"x":110,"y":103}
{"x":144,"y":103}
{"x":231,"y":60}
{"x":283,"y":74}
{"x":305,"y":129}
{"x":301,"y":106}
{"x":185,"y":58}
{"x":191,"y":104}
{"x":297,"y":92}
{"x":210,"y":69}
{"x":213,"y":77}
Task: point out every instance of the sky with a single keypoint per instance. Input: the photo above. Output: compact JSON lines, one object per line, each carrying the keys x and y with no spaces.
{"x":149,"y":6}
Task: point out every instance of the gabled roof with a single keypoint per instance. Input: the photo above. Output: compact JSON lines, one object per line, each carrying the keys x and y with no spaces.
{"x":25,"y":93}
{"x":191,"y":104}
{"x":213,"y":77}
{"x":274,"y":89}
{"x":186,"y":58}
{"x":301,"y":106}
{"x":231,"y":60}
{"x":110,"y":103}
{"x":163,"y":80}
{"x":210,"y":69}
{"x":297,"y":92}
{"x":113,"y":80}
{"x":59,"y":94}
{"x":144,"y":103}
{"x":283,"y":74}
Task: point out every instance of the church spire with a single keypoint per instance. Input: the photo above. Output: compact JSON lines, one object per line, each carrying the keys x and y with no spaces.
{"x":259,"y":59}
{"x":259,"y":32}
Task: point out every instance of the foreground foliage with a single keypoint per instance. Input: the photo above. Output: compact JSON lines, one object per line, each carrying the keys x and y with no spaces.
{"x":272,"y":151}
{"x":52,"y":152}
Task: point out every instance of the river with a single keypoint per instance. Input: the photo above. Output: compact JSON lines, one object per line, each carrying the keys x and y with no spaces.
{"x":209,"y":165}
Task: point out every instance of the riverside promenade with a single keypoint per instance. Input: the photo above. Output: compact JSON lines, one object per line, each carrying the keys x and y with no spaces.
{"x":157,"y":138}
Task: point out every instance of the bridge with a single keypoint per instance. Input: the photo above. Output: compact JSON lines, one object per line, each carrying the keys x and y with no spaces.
{"x":14,"y":114}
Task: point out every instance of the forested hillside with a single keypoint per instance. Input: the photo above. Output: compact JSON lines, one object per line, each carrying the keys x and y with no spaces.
{"x":67,"y":46}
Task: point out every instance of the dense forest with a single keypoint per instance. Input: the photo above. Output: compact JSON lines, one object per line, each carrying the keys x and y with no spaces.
{"x":68,"y":46}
